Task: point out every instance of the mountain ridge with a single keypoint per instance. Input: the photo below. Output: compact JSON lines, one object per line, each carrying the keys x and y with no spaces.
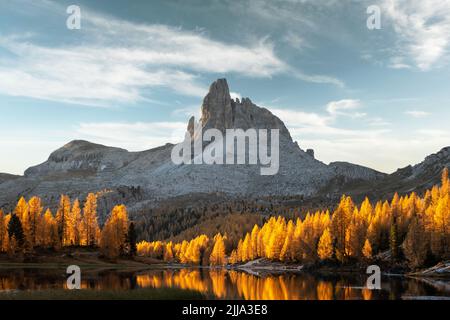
{"x":145,"y":177}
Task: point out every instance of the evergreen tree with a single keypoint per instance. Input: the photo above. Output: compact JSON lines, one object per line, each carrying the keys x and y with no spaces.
{"x":62,"y":216}
{"x":131,"y":240}
{"x":393,"y":238}
{"x":15,"y":230}
{"x":416,"y":245}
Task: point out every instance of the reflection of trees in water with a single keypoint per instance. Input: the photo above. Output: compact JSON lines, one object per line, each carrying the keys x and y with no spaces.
{"x":235,"y":284}
{"x":223,"y":284}
{"x":107,"y":281}
{"x":22,"y":279}
{"x":30,"y":279}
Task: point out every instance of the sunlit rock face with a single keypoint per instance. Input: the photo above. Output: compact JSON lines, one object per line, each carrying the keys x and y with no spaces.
{"x":221,"y":112}
{"x":135,"y":178}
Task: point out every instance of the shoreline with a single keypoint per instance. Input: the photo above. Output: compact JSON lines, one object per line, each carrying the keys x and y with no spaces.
{"x":266,"y":268}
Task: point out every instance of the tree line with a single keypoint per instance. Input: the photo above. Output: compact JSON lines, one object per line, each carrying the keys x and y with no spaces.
{"x":29,"y":227}
{"x":411,"y":228}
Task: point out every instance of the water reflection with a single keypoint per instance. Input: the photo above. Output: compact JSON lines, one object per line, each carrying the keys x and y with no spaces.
{"x":226,"y":284}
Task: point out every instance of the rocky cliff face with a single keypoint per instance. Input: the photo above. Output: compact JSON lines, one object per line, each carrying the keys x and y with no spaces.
{"x":221,"y":112}
{"x":137,"y":178}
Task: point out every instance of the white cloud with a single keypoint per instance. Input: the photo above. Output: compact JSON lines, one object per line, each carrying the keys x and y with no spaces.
{"x":417,"y":113}
{"x":345,"y":107}
{"x":311,"y":122}
{"x":122,"y":62}
{"x":398,"y":63}
{"x":378,"y":122}
{"x":235,"y":95}
{"x":187,"y":112}
{"x":300,"y":119}
{"x":316,"y":78}
{"x":423,"y":28}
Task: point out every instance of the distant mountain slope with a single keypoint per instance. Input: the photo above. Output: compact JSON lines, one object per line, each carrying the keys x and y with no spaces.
{"x":417,"y":178}
{"x":6,"y":176}
{"x":356,"y":172}
{"x":421,"y":176}
{"x":82,"y":157}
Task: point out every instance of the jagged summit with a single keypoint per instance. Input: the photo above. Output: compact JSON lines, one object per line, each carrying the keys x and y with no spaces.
{"x":217,"y":111}
{"x":221,"y":112}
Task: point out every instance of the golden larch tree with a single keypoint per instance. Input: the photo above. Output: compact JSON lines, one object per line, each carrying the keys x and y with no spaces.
{"x":217,"y":257}
{"x":325,"y":247}
{"x":367,"y":250}
{"x":74,"y":224}
{"x":90,"y":227}
{"x":34,"y":220}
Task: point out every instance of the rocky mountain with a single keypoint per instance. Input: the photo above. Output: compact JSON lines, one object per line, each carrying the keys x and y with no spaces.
{"x":352,"y":171}
{"x":417,"y":178}
{"x":141,"y":179}
{"x":82,"y":157}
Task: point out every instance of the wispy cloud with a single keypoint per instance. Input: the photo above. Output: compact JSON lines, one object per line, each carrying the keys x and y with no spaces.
{"x":318,"y":78}
{"x":320,"y":123}
{"x":417,"y":113}
{"x":398,"y":63}
{"x":295,"y":41}
{"x":104,"y":70}
{"x":345,"y":107}
{"x":423,"y":28}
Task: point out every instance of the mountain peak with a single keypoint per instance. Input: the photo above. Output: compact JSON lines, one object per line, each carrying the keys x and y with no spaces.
{"x":217,"y":111}
{"x":221,"y":112}
{"x":219,"y":88}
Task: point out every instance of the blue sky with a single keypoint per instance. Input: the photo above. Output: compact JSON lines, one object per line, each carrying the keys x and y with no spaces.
{"x":136,"y":70}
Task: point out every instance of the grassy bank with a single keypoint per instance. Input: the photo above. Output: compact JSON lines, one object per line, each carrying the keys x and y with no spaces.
{"x":87,"y":259}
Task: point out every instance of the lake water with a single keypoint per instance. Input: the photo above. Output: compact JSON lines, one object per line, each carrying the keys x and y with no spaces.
{"x":230,"y":284}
